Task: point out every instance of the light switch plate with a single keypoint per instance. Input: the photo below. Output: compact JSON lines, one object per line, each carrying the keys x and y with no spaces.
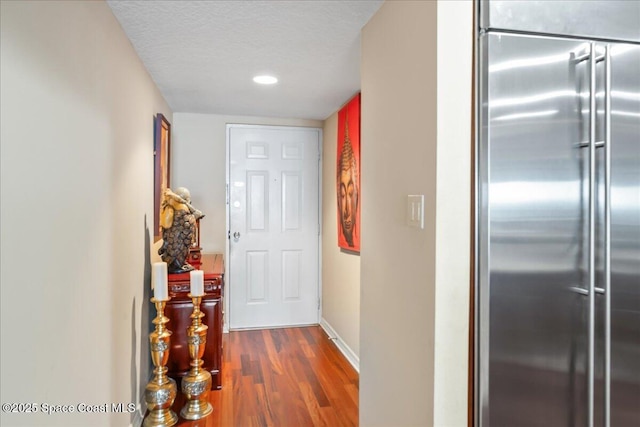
{"x":415,"y":210}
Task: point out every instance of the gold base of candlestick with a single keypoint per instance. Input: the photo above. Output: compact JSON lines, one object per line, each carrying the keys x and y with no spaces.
{"x":161,"y":390}
{"x":197,"y":383}
{"x":196,"y":390}
{"x":159,"y":398}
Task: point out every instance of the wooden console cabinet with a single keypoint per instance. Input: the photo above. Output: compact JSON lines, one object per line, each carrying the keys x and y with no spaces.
{"x":180,"y":307}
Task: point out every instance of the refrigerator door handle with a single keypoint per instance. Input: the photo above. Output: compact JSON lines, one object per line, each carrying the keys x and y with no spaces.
{"x":607,"y":236}
{"x":591,"y":290}
{"x":586,"y":56}
{"x":599,"y":144}
{"x":585,"y":292}
{"x":592,"y":235}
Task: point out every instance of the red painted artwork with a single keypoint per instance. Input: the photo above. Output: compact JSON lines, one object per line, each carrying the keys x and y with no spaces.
{"x":348,"y":175}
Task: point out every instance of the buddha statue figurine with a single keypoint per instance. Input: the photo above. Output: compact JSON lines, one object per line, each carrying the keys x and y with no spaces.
{"x":178,"y":226}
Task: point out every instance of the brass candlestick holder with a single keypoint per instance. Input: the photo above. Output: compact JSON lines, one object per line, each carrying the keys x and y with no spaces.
{"x":197,"y":383}
{"x":161,"y":390}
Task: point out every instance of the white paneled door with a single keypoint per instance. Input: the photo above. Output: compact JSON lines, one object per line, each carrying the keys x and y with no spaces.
{"x":273,"y":226}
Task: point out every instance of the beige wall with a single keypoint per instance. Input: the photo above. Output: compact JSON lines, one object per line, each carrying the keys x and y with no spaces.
{"x":397,"y":267}
{"x":414,"y":330}
{"x":340,"y":270}
{"x":77,"y":110}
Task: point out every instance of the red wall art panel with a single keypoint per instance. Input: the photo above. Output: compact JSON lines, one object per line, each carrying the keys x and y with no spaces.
{"x":348,"y":175}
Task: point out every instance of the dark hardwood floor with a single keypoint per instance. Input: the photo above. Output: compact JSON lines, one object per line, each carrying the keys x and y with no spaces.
{"x":282,"y":377}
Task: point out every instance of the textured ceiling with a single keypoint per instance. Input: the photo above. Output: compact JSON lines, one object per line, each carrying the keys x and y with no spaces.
{"x":204,"y":54}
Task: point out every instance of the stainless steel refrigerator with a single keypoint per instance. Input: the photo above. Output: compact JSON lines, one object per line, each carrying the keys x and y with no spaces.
{"x":558,"y":214}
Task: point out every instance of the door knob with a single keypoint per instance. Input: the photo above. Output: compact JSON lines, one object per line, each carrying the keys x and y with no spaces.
{"x":236,"y":235}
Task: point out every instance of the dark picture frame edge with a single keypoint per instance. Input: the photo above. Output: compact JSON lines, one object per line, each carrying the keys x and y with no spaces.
{"x":161,"y":167}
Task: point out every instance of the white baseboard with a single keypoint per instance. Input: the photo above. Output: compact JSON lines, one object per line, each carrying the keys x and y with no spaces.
{"x":342,"y":346}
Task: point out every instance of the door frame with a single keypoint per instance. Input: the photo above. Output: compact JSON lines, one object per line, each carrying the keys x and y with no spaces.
{"x":228,"y":279}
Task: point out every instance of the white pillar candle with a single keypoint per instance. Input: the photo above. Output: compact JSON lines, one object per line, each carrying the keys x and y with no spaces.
{"x":197,"y":283}
{"x":159,"y":281}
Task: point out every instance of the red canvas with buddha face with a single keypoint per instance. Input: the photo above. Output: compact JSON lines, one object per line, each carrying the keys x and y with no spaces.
{"x":348,"y":175}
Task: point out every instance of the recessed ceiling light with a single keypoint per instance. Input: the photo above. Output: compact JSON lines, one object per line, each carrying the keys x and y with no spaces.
{"x":265,"y":80}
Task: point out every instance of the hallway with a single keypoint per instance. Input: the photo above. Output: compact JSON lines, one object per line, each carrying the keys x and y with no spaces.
{"x":282,"y":377}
